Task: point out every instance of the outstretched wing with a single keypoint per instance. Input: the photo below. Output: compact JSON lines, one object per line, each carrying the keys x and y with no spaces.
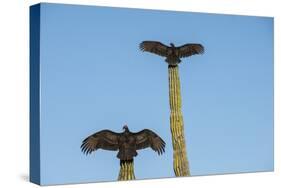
{"x":147,"y":138}
{"x":189,"y":50}
{"x":104,"y":139}
{"x":155,"y":47}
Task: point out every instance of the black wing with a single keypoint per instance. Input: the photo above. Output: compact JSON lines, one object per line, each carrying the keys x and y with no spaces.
{"x":147,"y":138}
{"x":189,"y":50}
{"x":155,"y":47}
{"x":104,"y":139}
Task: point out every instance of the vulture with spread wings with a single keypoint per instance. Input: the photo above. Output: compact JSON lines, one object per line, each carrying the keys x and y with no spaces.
{"x":126,"y":143}
{"x":172,"y":54}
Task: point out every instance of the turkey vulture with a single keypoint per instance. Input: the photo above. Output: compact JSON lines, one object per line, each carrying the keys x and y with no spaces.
{"x":127,"y":143}
{"x":172,"y":54}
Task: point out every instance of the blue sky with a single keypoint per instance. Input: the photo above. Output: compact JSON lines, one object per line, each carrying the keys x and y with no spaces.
{"x":94,"y":77}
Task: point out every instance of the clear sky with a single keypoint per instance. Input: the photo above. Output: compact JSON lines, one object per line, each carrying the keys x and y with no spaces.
{"x":94,"y":77}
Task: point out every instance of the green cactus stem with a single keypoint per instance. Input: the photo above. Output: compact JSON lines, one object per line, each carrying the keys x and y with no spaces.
{"x":180,"y":163}
{"x":126,"y":170}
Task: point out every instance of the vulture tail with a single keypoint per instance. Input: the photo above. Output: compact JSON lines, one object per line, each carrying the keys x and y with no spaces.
{"x":126,"y":154}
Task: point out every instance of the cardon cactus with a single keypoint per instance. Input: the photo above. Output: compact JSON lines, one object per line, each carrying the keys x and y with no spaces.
{"x":126,"y":170}
{"x":173,"y":57}
{"x":181,"y":165}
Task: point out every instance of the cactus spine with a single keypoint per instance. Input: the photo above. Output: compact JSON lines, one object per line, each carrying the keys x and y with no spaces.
{"x":126,"y":170}
{"x":181,"y":165}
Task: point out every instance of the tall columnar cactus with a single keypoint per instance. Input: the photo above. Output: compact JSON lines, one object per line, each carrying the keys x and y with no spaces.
{"x":181,"y":165}
{"x":126,"y":170}
{"x":173,"y":56}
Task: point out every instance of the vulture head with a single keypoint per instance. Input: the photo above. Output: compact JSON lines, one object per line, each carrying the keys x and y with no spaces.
{"x":125,"y":128}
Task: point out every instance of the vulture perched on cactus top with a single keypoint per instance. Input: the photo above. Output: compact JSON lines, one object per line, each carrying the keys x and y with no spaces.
{"x":126,"y":143}
{"x":172,"y":54}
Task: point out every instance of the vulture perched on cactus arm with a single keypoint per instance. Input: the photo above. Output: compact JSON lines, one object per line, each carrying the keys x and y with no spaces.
{"x":126,"y":143}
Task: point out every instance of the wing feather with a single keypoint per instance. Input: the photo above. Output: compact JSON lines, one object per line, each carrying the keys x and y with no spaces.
{"x":147,"y":138}
{"x":189,"y":50}
{"x":104,"y":139}
{"x":155,"y":47}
